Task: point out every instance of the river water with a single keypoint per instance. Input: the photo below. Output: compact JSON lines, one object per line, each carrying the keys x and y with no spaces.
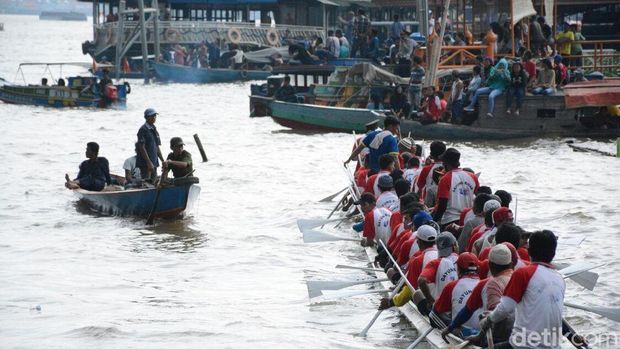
{"x":233,"y":274}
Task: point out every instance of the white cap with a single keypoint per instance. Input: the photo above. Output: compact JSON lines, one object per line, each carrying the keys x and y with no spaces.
{"x":491,"y":205}
{"x":500,"y":255}
{"x":427,"y":233}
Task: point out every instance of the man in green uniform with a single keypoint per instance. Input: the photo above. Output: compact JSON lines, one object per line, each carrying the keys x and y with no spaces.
{"x":179,"y":161}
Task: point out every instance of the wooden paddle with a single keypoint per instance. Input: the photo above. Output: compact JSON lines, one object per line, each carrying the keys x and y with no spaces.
{"x":331,"y":197}
{"x":149,"y":220}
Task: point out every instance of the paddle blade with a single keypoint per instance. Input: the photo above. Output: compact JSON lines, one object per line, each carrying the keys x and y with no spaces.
{"x":314,"y":286}
{"x":579,"y":273}
{"x":312,"y":236}
{"x":306,"y":224}
{"x":330,"y":295}
{"x":587,"y":279}
{"x":576,"y":241}
{"x":331,"y":197}
{"x":342,"y":266}
{"x":610,"y":313}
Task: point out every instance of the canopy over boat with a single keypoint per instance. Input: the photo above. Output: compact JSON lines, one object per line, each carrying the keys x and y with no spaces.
{"x":373,"y":74}
{"x":265,"y":56}
{"x":594,"y":93}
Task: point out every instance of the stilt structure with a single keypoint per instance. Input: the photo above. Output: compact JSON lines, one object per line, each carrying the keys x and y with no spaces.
{"x":140,"y":32}
{"x":435,"y":50}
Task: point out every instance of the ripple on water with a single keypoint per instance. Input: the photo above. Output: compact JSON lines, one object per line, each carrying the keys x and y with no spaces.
{"x":97,"y":332}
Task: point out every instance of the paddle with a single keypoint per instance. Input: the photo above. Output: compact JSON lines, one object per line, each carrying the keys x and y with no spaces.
{"x":331,"y":197}
{"x":364,"y":332}
{"x":149,"y":220}
{"x":329,"y":295}
{"x":579,"y":273}
{"x":421,"y":338}
{"x":312,"y":236}
{"x":489,"y":335}
{"x":610,"y":313}
{"x":576,"y":241}
{"x":305,"y":224}
{"x":317,"y":286}
{"x":342,"y":266}
{"x":341,"y":202}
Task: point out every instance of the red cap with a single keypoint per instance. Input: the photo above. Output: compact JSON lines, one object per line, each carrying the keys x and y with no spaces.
{"x":467,"y":261}
{"x":501,"y":215}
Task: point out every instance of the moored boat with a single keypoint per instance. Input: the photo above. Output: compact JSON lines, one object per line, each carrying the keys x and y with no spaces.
{"x":185,"y":74}
{"x":77,"y":91}
{"x":174,"y":200}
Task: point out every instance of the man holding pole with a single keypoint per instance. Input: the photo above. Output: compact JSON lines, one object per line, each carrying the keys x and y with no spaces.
{"x":148,"y":146}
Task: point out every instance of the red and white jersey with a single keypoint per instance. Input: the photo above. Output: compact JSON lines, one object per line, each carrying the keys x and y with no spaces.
{"x":478,"y":298}
{"x":538,"y":291}
{"x":389,"y":200}
{"x":439,"y":273}
{"x":417,"y":264}
{"x":458,"y":187}
{"x":372,"y":184}
{"x":425,"y":178}
{"x":454,"y":297}
{"x":377,"y":224}
{"x":411,"y":175}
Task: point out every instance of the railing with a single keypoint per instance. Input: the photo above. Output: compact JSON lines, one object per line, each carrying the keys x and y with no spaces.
{"x":599,"y":58}
{"x":459,"y":56}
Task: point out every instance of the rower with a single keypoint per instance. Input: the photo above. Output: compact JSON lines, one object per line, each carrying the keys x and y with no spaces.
{"x":387,"y":163}
{"x":179,"y":161}
{"x":487,"y":211}
{"x":379,"y":143}
{"x":387,"y":198}
{"x":408,"y":248}
{"x":437,"y":274}
{"x":486,"y":295}
{"x":426,"y":237}
{"x":535,"y":294}
{"x":405,"y":145}
{"x":376,"y":220}
{"x":412,"y":171}
{"x":426,"y":175}
{"x":456,"y":293}
{"x":471,"y":221}
{"x":500,"y":216}
{"x":509,"y":234}
{"x":455,"y":191}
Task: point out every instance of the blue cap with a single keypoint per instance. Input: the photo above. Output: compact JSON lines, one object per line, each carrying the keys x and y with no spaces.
{"x":557,"y":58}
{"x":150,"y":112}
{"x":421,"y":217}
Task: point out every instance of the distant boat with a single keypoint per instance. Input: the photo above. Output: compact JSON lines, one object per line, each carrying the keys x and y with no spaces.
{"x":77,"y":91}
{"x":62,"y":16}
{"x":174,"y":200}
{"x":185,"y":74}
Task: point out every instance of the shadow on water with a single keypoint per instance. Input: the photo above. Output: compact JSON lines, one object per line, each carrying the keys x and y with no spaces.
{"x":178,"y":235}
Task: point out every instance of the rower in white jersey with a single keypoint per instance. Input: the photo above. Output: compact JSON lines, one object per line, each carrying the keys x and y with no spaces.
{"x":535,"y":294}
{"x":437,"y":273}
{"x":376,"y":220}
{"x":456,"y":293}
{"x":387,"y":198}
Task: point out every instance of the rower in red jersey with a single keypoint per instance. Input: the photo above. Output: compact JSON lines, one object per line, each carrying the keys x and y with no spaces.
{"x":489,"y":207}
{"x":376,"y":220}
{"x":387,"y":163}
{"x":425,"y":178}
{"x":456,"y":189}
{"x":456,"y":293}
{"x":500,"y":216}
{"x":387,"y":198}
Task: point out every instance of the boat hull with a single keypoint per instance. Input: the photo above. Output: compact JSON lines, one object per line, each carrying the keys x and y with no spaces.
{"x":184,"y":74}
{"x":58,"y":97}
{"x":541,"y":118}
{"x":174,"y":201}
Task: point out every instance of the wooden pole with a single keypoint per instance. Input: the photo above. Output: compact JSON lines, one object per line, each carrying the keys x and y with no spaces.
{"x":144,"y":43}
{"x":512,"y":20}
{"x":200,"y":148}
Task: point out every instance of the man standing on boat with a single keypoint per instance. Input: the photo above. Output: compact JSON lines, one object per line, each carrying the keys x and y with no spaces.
{"x":455,"y":191}
{"x":149,"y":152}
{"x":380,"y":142}
{"x":94,"y":173}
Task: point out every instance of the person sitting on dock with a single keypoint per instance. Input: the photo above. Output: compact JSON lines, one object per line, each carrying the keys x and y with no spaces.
{"x":454,"y":296}
{"x":179,"y":161}
{"x":286,"y":92}
{"x":94,"y":173}
{"x":496,"y":83}
{"x":561,"y":72}
{"x":456,"y":97}
{"x":545,"y":83}
{"x":345,"y":46}
{"x":399,"y":104}
{"x":61,"y":82}
{"x":474,"y":83}
{"x":149,"y":142}
{"x":431,"y":107}
{"x":44,"y":82}
{"x":518,"y":82}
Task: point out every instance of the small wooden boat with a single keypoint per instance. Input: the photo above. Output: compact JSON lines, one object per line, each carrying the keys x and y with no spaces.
{"x":174,"y":200}
{"x":78,"y":91}
{"x":185,"y":74}
{"x":62,"y":16}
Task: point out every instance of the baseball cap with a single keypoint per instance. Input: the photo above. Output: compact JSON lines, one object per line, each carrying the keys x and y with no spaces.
{"x":467,"y":261}
{"x":385,"y":182}
{"x":427,"y":233}
{"x":174,"y":141}
{"x":501,"y":215}
{"x":150,"y":112}
{"x":445,"y":243}
{"x":491,"y":205}
{"x":500,"y":255}
{"x":366,"y":198}
{"x":421,"y":217}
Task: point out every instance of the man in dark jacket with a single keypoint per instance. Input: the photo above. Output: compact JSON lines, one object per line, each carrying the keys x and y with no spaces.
{"x":94,"y":173}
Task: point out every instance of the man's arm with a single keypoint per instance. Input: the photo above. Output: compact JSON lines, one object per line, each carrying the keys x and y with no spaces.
{"x":356,"y":152}
{"x":423,"y":286}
